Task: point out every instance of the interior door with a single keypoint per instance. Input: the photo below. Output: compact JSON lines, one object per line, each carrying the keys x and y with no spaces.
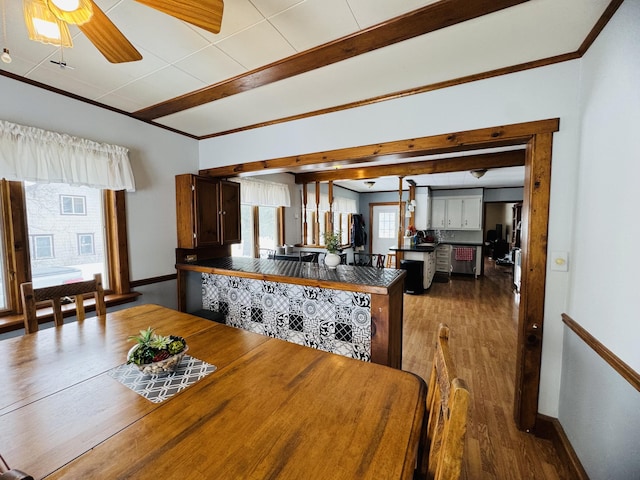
{"x":384,"y":227}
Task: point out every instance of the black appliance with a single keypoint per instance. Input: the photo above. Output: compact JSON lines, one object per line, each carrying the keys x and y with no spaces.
{"x":414,"y":281}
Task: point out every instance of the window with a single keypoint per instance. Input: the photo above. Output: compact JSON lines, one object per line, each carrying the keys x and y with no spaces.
{"x":58,"y":244}
{"x":41,"y":246}
{"x":386,"y":225}
{"x":261,"y":230}
{"x":245,"y":248}
{"x":85,"y":244}
{"x":72,"y":205}
{"x":75,"y":233}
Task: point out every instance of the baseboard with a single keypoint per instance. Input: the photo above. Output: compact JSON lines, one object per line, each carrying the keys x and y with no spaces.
{"x":550,"y":428}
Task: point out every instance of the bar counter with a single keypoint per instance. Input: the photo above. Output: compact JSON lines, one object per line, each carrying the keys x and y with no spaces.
{"x":354,"y":311}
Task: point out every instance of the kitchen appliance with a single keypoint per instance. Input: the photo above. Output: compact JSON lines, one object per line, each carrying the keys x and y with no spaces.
{"x":414,"y":281}
{"x":463,"y":259}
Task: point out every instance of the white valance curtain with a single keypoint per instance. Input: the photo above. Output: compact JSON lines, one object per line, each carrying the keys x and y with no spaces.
{"x":33,"y":154}
{"x":263,"y":193}
{"x":340,"y":204}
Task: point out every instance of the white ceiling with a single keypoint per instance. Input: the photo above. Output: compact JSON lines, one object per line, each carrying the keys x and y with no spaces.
{"x":180,"y":58}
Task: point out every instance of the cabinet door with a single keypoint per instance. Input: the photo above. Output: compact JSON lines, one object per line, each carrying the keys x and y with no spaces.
{"x":206,"y":211}
{"x":438,"y":213}
{"x":454,"y":213}
{"x":472,"y":213}
{"x":230,"y":212}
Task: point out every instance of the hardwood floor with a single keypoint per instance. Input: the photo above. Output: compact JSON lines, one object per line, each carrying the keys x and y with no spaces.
{"x":482,"y":315}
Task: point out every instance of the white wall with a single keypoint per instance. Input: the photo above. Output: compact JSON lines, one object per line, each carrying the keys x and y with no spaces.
{"x":157,"y":155}
{"x":599,"y":410}
{"x":537,"y":94}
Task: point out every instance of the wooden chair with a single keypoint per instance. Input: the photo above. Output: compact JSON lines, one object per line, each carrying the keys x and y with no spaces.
{"x":7,"y":473}
{"x":391,"y":260}
{"x":442,"y":441}
{"x":55,"y":294}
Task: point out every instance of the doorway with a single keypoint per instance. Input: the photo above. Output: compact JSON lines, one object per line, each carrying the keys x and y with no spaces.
{"x":384,"y":222}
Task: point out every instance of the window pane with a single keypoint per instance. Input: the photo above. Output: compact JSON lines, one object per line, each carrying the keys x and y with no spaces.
{"x":268,"y":231}
{"x":244,"y":249}
{"x":66,"y":229}
{"x":386,"y":225}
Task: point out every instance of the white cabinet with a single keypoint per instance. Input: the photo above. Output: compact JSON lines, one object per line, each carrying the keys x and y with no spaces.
{"x":456,"y":213}
{"x":439,"y":213}
{"x":443,"y":258}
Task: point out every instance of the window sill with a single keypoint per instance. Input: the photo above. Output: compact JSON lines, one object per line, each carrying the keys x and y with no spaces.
{"x":16,"y":322}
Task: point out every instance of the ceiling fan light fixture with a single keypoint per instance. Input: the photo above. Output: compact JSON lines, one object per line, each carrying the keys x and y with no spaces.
{"x":43,"y":26}
{"x":76,"y":12}
{"x":479,"y":172}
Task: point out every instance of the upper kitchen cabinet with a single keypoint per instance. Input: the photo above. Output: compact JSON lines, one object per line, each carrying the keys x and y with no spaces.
{"x":207,"y":211}
{"x":456,"y":213}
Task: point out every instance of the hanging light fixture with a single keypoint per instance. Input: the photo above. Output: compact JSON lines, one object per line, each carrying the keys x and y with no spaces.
{"x":75,"y":12}
{"x":43,"y":26}
{"x":479,"y":172}
{"x":6,"y":56}
{"x":369,"y":183}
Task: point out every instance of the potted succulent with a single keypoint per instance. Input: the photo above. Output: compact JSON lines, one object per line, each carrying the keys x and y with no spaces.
{"x":154,"y":354}
{"x":332,"y":242}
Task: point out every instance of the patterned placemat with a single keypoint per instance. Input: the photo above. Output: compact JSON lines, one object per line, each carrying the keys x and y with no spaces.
{"x":158,"y":388}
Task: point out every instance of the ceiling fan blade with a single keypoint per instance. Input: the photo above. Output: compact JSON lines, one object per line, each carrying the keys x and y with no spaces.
{"x":206,"y":14}
{"x":108,"y":39}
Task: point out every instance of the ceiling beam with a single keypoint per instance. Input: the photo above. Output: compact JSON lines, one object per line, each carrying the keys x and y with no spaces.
{"x":428,"y":19}
{"x":512,"y":158}
{"x":501,"y":136}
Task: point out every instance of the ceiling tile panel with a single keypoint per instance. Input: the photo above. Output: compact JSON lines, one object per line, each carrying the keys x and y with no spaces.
{"x":211,"y":65}
{"x":271,"y":7}
{"x":237,"y":16}
{"x":314,"y":22}
{"x":242,"y":46}
{"x":148,"y":28}
{"x":372,"y":12}
{"x":165,"y":83}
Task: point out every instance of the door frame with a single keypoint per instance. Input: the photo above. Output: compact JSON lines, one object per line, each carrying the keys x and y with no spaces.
{"x":537,"y":136}
{"x":399,"y":205}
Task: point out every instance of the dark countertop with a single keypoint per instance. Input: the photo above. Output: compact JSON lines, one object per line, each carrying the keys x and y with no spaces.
{"x":466,"y":244}
{"x":414,"y":249}
{"x":344,"y":277}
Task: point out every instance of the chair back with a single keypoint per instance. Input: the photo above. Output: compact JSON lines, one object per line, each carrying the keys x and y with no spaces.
{"x":55,"y":295}
{"x":442,"y":442}
{"x":10,"y":474}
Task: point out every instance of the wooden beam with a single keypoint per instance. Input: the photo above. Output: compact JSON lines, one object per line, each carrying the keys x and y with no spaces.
{"x":499,"y":136}
{"x":513,"y":158}
{"x":428,"y":19}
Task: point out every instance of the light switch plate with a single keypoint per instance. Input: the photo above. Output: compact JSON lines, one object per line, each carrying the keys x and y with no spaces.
{"x":560,"y":261}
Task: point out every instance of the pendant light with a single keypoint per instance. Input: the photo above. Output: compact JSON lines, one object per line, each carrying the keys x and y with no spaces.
{"x":75,"y":12}
{"x":43,"y":26}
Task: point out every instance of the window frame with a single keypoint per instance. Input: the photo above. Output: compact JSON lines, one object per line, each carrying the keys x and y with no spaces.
{"x":17,"y":262}
{"x":33,"y":247}
{"x":93,"y":243}
{"x":73,"y":198}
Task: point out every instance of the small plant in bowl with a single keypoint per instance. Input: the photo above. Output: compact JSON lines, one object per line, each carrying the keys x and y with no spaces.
{"x":155,"y":354}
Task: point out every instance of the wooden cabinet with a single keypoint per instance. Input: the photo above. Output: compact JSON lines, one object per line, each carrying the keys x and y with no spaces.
{"x":457,"y":213}
{"x":207,"y":211}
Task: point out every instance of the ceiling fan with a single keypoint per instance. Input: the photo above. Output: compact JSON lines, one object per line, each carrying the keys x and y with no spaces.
{"x":105,"y":36}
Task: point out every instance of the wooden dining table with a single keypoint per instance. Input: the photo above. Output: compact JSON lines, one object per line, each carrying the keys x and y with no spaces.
{"x":271,"y":409}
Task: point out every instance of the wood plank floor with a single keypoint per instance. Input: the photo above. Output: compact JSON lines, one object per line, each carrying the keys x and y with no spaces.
{"x":482,"y":315}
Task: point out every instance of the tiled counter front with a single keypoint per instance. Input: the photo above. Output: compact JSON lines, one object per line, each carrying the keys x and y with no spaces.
{"x":351,"y":310}
{"x":336,"y":321}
